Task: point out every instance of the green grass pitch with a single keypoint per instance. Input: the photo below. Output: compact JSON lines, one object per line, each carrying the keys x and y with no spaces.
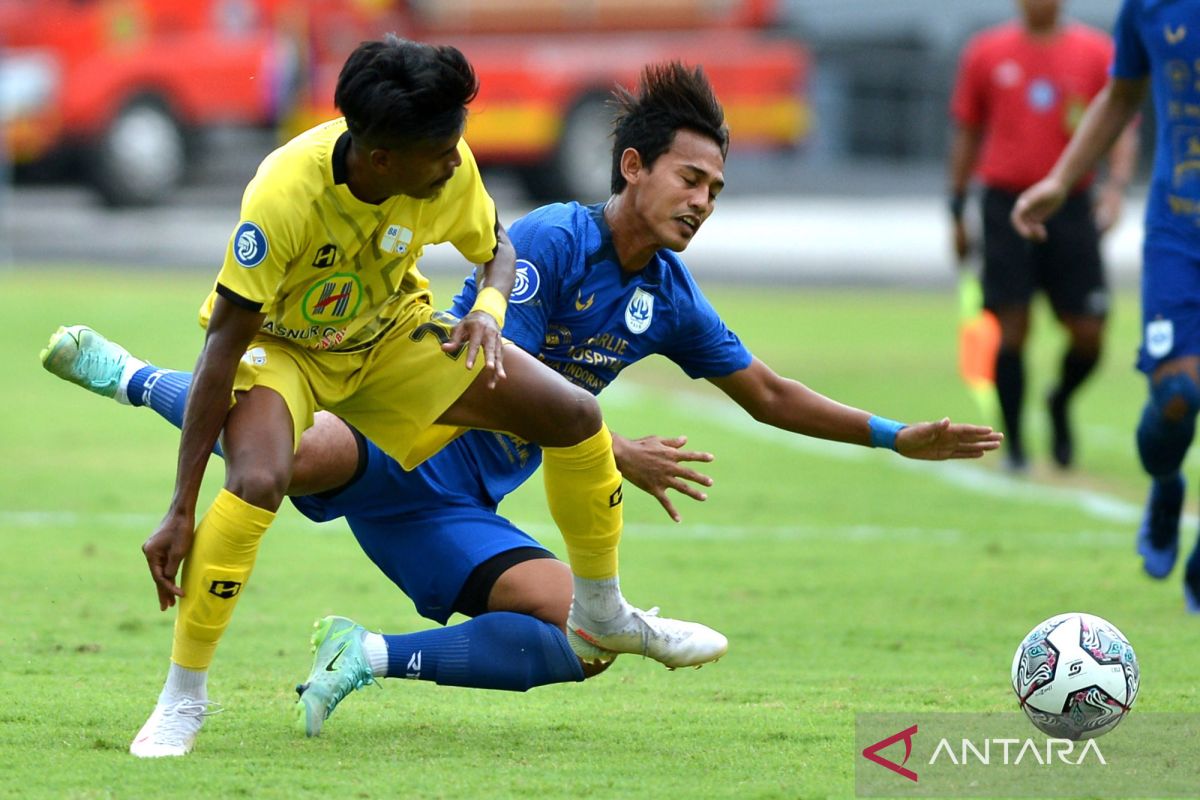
{"x":847,"y":580}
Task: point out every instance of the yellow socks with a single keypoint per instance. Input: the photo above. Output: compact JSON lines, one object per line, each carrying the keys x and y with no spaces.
{"x":214,"y":575}
{"x":583,"y":490}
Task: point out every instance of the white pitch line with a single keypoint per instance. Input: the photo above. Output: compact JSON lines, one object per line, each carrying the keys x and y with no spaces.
{"x":960,"y":474}
{"x":544,"y":530}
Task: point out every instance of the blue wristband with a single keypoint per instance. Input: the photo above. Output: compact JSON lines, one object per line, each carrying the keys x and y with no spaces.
{"x":883,"y":431}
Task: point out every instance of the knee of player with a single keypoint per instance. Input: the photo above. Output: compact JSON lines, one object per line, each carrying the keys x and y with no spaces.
{"x":581,"y":415}
{"x":260,"y":486}
{"x":1177,"y":397}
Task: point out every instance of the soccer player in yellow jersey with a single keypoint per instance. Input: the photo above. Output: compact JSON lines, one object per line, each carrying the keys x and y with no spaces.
{"x":319,"y":305}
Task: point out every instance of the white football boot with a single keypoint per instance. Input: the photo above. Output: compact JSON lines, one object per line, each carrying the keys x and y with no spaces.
{"x":172,"y":728}
{"x":671,"y":642}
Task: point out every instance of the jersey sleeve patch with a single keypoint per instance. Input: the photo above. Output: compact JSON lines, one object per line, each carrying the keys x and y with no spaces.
{"x":527,"y":282}
{"x":249,"y":245}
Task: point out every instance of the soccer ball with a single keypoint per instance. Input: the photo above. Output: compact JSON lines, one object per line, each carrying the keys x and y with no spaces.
{"x":1075,"y":676}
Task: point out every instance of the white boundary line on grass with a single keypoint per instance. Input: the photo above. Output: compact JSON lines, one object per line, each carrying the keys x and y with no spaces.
{"x":961,"y":474}
{"x":646,"y":531}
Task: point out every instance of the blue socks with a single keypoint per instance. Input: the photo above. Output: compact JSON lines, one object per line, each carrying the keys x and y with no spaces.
{"x":499,"y":650}
{"x":163,"y":390}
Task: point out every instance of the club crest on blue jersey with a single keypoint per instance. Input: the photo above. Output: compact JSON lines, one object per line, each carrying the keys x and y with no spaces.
{"x":249,"y":245}
{"x":640,"y":311}
{"x":1160,"y":337}
{"x":528,"y":281}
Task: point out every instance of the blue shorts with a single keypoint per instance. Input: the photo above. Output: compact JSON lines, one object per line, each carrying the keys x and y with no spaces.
{"x":426,"y":539}
{"x":1170,"y":303}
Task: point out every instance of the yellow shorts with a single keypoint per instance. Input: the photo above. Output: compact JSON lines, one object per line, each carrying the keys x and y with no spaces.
{"x":393,"y":391}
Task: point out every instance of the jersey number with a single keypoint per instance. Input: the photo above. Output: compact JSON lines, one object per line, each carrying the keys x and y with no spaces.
{"x":439,"y":328}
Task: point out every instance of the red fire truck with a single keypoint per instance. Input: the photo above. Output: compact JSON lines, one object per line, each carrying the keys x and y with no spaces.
{"x":121,"y":83}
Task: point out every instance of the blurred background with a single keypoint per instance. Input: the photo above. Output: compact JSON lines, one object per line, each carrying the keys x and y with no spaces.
{"x":131,"y":126}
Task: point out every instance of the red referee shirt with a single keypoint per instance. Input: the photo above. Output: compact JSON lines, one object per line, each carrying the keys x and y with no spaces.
{"x":1027,"y":95}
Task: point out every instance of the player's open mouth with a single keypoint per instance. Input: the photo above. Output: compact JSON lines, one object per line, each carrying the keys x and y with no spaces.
{"x":691,"y":223}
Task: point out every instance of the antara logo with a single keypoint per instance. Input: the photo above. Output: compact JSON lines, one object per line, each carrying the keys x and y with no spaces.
{"x":871,"y":752}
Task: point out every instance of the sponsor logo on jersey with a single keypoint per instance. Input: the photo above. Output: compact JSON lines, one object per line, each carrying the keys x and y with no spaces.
{"x":1041,"y":94}
{"x":333,"y":300}
{"x":1160,"y":337}
{"x":640,"y":311}
{"x":249,"y":245}
{"x":581,"y":304}
{"x":1174,"y":36}
{"x":326,"y":256}
{"x":396,"y":239}
{"x":528,"y":281}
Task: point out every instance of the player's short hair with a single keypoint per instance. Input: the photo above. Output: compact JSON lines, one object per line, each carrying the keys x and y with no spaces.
{"x":395,"y":92}
{"x":670,"y":96}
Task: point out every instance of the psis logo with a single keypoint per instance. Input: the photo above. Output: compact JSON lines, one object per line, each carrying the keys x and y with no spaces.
{"x":1160,"y":337}
{"x":871,"y":753}
{"x":527,"y":283}
{"x":249,"y":245}
{"x":640,"y":311}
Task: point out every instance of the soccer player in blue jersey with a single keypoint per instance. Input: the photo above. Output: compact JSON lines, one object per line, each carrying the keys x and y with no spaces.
{"x":1157,"y":47}
{"x":599,"y":287}
{"x":319,"y":305}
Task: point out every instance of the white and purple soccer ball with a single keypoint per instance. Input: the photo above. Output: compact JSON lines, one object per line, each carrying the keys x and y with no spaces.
{"x":1075,"y":676}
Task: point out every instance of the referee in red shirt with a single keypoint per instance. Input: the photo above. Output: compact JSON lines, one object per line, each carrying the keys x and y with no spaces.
{"x":1021,"y":89}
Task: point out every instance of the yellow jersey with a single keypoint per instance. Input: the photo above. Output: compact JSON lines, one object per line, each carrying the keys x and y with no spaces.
{"x":330,"y":271}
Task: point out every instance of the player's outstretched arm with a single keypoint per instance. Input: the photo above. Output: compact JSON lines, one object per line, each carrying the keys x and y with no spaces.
{"x":1107,"y":116}
{"x":230,"y":331}
{"x":481,"y":327}
{"x":655,"y":464}
{"x":792,"y":406}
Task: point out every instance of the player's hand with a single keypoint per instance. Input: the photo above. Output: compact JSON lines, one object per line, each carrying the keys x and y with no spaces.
{"x":655,"y":464}
{"x":165,"y":551}
{"x":1036,"y":205}
{"x":936,"y":441}
{"x":962,"y":240}
{"x":479,"y":331}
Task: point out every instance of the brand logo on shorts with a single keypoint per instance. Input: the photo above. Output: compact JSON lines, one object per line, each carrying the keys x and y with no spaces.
{"x":333,"y":300}
{"x":528,"y":281}
{"x":255,"y":356}
{"x":1160,"y":337}
{"x":249,"y":245}
{"x":225,"y":589}
{"x":640,"y":311}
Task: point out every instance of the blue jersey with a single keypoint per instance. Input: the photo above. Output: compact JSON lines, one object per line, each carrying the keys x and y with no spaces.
{"x":575,"y":309}
{"x":1160,"y":40}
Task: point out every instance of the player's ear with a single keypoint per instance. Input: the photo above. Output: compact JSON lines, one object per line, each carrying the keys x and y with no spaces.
{"x":380,"y":159}
{"x":631,"y":164}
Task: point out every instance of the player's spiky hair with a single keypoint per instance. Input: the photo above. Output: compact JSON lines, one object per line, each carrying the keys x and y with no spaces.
{"x":395,"y":91}
{"x":670,"y":96}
